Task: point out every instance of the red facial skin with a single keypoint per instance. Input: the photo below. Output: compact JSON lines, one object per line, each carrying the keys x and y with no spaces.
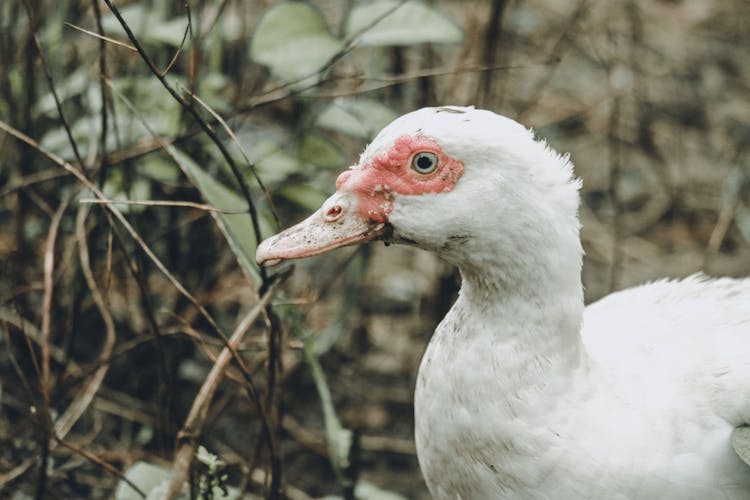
{"x":391,"y":172}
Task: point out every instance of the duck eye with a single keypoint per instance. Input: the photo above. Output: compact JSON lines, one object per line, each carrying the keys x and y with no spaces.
{"x":425,"y":162}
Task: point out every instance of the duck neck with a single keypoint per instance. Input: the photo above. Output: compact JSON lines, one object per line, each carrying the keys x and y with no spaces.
{"x":499,"y":367}
{"x":536,"y":316}
{"x":521,"y":310}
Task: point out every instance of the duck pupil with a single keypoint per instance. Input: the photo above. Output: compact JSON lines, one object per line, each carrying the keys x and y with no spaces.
{"x":424,"y":162}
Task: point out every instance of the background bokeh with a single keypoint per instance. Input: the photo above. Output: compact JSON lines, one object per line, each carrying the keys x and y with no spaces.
{"x":103,"y":348}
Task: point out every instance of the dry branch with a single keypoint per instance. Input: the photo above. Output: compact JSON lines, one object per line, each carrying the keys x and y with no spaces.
{"x":199,"y":410}
{"x":83,"y":398}
{"x":205,"y":126}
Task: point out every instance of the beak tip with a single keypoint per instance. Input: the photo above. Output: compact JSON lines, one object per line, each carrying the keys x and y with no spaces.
{"x":319,"y":233}
{"x":263,"y":256}
{"x":268,"y":262}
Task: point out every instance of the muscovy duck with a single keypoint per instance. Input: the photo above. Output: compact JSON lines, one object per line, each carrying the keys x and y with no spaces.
{"x":523,"y":392}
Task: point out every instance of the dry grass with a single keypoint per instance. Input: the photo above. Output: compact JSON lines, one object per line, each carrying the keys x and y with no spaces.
{"x":113,"y":318}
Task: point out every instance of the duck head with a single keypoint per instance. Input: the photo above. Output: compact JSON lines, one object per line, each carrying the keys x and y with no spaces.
{"x":464,"y":183}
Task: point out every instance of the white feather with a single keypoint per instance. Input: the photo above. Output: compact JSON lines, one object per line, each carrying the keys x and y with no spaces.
{"x":523,"y":393}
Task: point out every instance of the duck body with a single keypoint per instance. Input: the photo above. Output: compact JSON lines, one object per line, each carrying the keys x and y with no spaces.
{"x":646,"y":411}
{"x":523,"y":392}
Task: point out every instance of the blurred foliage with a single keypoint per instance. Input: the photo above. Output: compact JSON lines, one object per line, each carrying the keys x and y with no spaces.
{"x":656,"y":119}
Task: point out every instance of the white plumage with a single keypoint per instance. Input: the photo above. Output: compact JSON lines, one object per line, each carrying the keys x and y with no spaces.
{"x":524,"y":393}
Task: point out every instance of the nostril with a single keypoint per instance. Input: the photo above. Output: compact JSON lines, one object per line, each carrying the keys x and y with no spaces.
{"x":334,"y":213}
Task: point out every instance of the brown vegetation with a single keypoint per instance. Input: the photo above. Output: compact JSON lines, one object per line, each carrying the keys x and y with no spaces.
{"x":136,"y":333}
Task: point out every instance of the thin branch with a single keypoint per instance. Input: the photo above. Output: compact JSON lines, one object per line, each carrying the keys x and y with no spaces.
{"x":102,"y":37}
{"x":264,"y":285}
{"x":556,"y":52}
{"x":199,"y":410}
{"x":124,"y":221}
{"x":614,"y":160}
{"x":245,"y":190}
{"x":249,"y":385}
{"x":493,"y":37}
{"x":101,"y":463}
{"x":30,"y":331}
{"x":49,"y":267}
{"x":45,"y":418}
{"x":163,"y":203}
{"x":193,"y":54}
{"x":209,"y":26}
{"x":177,"y":52}
{"x":17,"y":471}
{"x":348,"y":45}
{"x":83,"y":398}
{"x":104,"y":116}
{"x":250,"y":164}
{"x":53,"y":90}
{"x":31,"y":179}
{"x":280,"y":93}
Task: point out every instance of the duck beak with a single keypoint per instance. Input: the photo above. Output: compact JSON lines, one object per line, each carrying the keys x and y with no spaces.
{"x":336,"y":224}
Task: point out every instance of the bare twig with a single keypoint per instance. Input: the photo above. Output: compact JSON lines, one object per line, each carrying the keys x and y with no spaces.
{"x":101,"y":37}
{"x":46,"y":378}
{"x":199,"y":410}
{"x":268,"y":430}
{"x":124,"y":221}
{"x":177,"y":52}
{"x":49,"y":267}
{"x":194,"y":47}
{"x":228,"y":347}
{"x":16,"y":472}
{"x":53,"y":90}
{"x":163,"y":203}
{"x":280,"y":93}
{"x":205,"y":126}
{"x":31,"y":179}
{"x":723,"y":221}
{"x":245,"y":156}
{"x":104,"y":116}
{"x":31,"y":331}
{"x":101,"y":463}
{"x":614,"y":153}
{"x":83,"y":398}
{"x":491,"y":43}
{"x":556,"y":53}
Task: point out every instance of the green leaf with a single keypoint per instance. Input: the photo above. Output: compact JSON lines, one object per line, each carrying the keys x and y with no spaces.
{"x":741,"y":442}
{"x":304,"y":195}
{"x":170,"y":32}
{"x":365,"y":490}
{"x":361,"y":118}
{"x":237,"y":228}
{"x":408,"y":24}
{"x":151,"y":479}
{"x":352,"y":287}
{"x":134,"y":15}
{"x":273,"y":164}
{"x":742,"y":220}
{"x":207,"y":458}
{"x":148,"y":24}
{"x":320,"y":152}
{"x":292,"y":39}
{"x":73,"y":85}
{"x":338,"y":438}
{"x":155,"y":106}
{"x":211,"y":88}
{"x":160,"y":169}
{"x":84,"y":130}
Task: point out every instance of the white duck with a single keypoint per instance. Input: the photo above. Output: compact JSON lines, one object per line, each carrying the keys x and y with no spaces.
{"x":523,"y":392}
